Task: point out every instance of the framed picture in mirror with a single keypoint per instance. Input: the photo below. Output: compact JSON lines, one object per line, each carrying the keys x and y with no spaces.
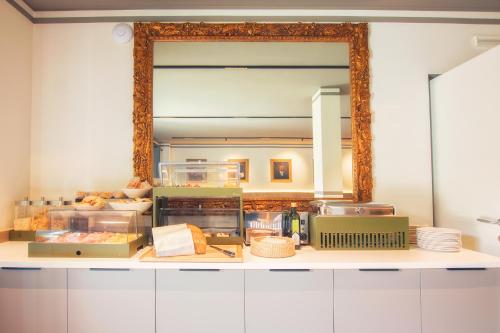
{"x":244,"y":169}
{"x":281,"y":170}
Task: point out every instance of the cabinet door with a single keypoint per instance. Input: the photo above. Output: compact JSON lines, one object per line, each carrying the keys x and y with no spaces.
{"x":191,"y":301}
{"x":291,"y":301}
{"x":460,"y":301}
{"x":33,"y":300}
{"x":111,"y":301}
{"x":377,"y":301}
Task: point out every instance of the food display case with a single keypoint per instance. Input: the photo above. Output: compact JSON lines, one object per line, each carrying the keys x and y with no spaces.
{"x":200,"y":174}
{"x":89,"y":233}
{"x":216,"y":211}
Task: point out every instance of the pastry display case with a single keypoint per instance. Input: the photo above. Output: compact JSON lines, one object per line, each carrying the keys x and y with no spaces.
{"x":216,"y":211}
{"x":200,"y":174}
{"x":89,"y":233}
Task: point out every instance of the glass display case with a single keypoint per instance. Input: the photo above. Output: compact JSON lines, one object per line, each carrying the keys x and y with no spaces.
{"x":92,"y":233}
{"x":200,"y":174}
{"x":216,"y":211}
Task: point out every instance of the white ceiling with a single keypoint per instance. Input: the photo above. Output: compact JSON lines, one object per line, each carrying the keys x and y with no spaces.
{"x":441,"y":5}
{"x":166,"y":129}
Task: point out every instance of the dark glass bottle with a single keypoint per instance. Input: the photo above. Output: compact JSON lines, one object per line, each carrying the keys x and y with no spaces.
{"x":285,"y":224}
{"x":295,"y":225}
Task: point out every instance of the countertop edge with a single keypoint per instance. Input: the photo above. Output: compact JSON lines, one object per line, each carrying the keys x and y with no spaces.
{"x":13,"y":255}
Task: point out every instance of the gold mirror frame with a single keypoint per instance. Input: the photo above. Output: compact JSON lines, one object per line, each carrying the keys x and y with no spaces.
{"x":145,"y":34}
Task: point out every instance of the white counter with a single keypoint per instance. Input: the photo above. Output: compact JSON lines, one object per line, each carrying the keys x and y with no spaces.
{"x":15,"y":254}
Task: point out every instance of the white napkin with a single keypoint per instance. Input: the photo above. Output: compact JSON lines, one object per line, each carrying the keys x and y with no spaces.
{"x":173,"y":240}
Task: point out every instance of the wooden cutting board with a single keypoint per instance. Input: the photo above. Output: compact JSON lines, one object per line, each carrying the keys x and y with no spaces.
{"x":212,"y":255}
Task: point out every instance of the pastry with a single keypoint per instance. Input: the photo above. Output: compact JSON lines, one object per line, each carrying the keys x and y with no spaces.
{"x":134,"y":183}
{"x":199,"y":240}
{"x":119,"y":195}
{"x":93,"y":201}
{"x":106,"y":195}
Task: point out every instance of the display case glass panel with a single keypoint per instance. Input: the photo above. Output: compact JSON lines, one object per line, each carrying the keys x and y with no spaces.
{"x":200,"y":174}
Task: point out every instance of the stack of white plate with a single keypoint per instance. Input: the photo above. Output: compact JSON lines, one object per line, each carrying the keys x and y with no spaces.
{"x":439,"y":239}
{"x":412,"y":231}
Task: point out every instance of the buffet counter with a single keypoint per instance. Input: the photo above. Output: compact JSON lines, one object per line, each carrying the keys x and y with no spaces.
{"x":395,"y":291}
{"x":15,"y":254}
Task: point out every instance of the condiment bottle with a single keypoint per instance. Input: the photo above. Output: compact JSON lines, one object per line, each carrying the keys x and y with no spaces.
{"x":295,"y":225}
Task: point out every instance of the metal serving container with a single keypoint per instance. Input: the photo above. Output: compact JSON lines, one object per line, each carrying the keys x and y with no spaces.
{"x":335,"y":208}
{"x":355,"y":226}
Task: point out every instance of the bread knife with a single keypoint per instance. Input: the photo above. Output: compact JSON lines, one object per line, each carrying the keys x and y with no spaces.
{"x":226,"y":252}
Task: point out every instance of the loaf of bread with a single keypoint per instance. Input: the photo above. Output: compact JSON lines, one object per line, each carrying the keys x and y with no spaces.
{"x":199,"y":240}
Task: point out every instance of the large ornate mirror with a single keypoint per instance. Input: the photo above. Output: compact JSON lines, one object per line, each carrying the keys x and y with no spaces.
{"x":289,"y":102}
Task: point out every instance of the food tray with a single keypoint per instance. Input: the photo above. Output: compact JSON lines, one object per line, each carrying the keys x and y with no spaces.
{"x":85,"y":250}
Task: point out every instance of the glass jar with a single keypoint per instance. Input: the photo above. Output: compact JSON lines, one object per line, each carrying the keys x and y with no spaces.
{"x":58,"y":217}
{"x":22,"y":215}
{"x":40,"y":218}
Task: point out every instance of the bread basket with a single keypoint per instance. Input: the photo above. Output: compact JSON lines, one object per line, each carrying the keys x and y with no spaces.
{"x":272,"y":247}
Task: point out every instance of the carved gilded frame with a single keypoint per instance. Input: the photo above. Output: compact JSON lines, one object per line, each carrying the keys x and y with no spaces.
{"x":145,"y":34}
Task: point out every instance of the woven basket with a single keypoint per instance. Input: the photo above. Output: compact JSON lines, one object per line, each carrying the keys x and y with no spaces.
{"x":272,"y":247}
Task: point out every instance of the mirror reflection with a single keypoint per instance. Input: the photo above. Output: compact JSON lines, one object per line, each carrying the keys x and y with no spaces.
{"x":280,"y":109}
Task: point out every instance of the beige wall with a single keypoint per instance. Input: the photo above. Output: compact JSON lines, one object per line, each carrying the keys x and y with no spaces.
{"x":259,"y":159}
{"x":465,"y":118}
{"x":82,"y":99}
{"x":81,"y":134}
{"x":16,"y":34}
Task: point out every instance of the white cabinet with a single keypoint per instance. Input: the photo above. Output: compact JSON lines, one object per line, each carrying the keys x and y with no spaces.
{"x":111,"y":301}
{"x":191,"y":301}
{"x":291,"y":301}
{"x":377,"y":301}
{"x":33,"y":300}
{"x":460,"y":301}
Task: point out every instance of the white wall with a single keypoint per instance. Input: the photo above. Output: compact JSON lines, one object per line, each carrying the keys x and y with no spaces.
{"x":68,"y":100}
{"x":81,"y":135}
{"x":259,"y":159}
{"x":402,"y":56}
{"x":465,"y":120}
{"x":16,"y":35}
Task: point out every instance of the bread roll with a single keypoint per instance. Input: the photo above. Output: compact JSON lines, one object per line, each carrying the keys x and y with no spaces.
{"x":199,"y":240}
